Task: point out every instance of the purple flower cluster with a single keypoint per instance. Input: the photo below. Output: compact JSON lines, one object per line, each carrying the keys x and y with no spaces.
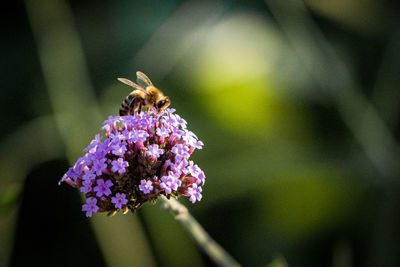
{"x":142,"y":156}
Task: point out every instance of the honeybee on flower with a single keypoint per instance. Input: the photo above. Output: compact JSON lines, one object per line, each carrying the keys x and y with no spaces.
{"x":146,"y":96}
{"x":142,"y":156}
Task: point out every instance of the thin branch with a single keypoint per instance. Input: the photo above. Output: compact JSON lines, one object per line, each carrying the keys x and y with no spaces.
{"x":199,"y":235}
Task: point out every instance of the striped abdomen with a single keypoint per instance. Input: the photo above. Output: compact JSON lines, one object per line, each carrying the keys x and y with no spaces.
{"x":130,"y":103}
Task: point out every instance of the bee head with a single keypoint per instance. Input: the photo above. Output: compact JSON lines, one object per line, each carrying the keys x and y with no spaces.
{"x":162,"y":104}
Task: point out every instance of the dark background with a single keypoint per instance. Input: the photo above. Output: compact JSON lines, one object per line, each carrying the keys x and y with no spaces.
{"x":297,"y":103}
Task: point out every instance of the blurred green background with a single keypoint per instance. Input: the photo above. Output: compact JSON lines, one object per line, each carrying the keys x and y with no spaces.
{"x":297,"y":103}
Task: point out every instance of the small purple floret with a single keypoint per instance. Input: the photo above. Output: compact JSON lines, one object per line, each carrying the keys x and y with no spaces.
{"x":180,"y":152}
{"x":119,"y":149}
{"x":195,"y":193}
{"x":170,"y":183}
{"x":103,"y":188}
{"x":86,"y":186}
{"x":88,"y":176}
{"x":119,"y":165}
{"x":163,"y":132}
{"x":119,"y":200}
{"x":93,"y":144}
{"x":181,"y":122}
{"x":154,"y":151}
{"x":99,"y":165}
{"x":90,"y":206}
{"x":137,"y":135}
{"x":146,"y":186}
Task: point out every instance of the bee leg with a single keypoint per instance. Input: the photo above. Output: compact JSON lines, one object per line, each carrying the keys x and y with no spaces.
{"x":140,"y":108}
{"x":134,"y":105}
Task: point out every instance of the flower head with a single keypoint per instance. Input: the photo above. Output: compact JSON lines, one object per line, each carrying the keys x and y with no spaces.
{"x":114,"y":173}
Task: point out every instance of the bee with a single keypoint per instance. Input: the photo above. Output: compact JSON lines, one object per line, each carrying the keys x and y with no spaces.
{"x":147,"y":96}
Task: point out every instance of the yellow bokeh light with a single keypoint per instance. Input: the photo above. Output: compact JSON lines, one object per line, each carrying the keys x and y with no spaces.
{"x":235,"y":73}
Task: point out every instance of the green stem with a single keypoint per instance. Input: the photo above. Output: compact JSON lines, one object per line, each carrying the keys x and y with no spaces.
{"x":197,"y":232}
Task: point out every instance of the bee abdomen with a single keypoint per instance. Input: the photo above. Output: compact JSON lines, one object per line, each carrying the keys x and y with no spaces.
{"x":126,"y":105}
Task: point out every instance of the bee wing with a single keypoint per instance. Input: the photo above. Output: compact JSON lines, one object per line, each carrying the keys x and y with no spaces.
{"x":130,"y":83}
{"x":143,"y":80}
